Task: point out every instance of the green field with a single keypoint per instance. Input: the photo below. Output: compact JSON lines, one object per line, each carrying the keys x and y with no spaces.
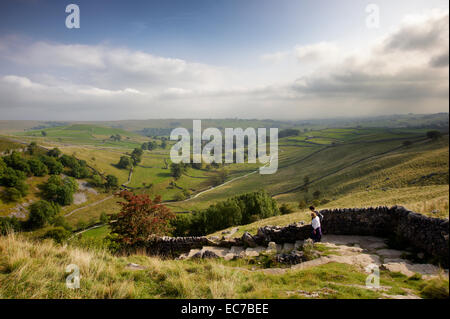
{"x":347,"y":166}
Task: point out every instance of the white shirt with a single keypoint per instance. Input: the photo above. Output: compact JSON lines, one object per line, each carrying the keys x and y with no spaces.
{"x":315,"y":223}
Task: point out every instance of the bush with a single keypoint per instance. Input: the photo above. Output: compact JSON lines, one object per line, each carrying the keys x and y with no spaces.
{"x":436,"y":289}
{"x":302,"y":204}
{"x":434,"y":135}
{"x":54,"y":167}
{"x":104,"y":218}
{"x":96,"y":180}
{"x":54,"y":152}
{"x":140,"y":218}
{"x":286,"y":209}
{"x":41,"y":213}
{"x":12,"y":194}
{"x":9,"y":224}
{"x":112,"y":182}
{"x":17,"y":162}
{"x":37,"y":167}
{"x":60,"y":221}
{"x":124,"y":162}
{"x":60,"y":190}
{"x":239,"y":210}
{"x":58,"y":234}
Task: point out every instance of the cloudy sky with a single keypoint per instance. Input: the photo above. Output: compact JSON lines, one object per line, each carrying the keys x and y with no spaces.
{"x":283,"y":59}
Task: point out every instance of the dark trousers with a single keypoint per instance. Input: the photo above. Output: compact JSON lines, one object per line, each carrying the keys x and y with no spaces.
{"x":318,"y":234}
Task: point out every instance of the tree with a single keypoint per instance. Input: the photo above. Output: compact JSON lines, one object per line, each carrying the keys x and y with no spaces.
{"x":434,"y":135}
{"x":37,"y":167}
{"x":2,"y":169}
{"x":116,"y":137}
{"x":163,"y":144}
{"x":17,"y":162}
{"x":140,"y":218}
{"x":124,"y":162}
{"x":32,"y":148}
{"x":41,"y":213}
{"x":54,"y":167}
{"x":176,"y":170}
{"x":96,"y":180}
{"x":58,"y":234}
{"x":55,"y":152}
{"x":104,"y":219}
{"x":12,"y":194}
{"x":136,"y":156}
{"x":44,"y":133}
{"x":112,"y":182}
{"x":60,"y":190}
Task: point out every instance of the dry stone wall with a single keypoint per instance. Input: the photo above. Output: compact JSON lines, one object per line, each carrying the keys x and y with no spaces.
{"x":430,"y":235}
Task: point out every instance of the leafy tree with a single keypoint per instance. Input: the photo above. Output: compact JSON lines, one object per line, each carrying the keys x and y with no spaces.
{"x":55,"y":152}
{"x":238,"y":210}
{"x":163,"y":144}
{"x":60,"y":221}
{"x":176,"y":170}
{"x":140,"y":218}
{"x":44,"y":133}
{"x":12,"y":177}
{"x":124,"y":162}
{"x":434,"y":135}
{"x":68,"y":161}
{"x":58,"y":234}
{"x":97,"y":180}
{"x":12,"y":194}
{"x":54,"y":166}
{"x":112,"y":182}
{"x":32,"y":148}
{"x":37,"y":167}
{"x":17,"y":162}
{"x":116,"y":137}
{"x":136,"y":155}
{"x":59,"y":190}
{"x":41,"y":213}
{"x":2,"y":167}
{"x":104,"y":219}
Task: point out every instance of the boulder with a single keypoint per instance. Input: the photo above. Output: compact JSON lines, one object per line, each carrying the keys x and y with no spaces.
{"x":248,"y":240}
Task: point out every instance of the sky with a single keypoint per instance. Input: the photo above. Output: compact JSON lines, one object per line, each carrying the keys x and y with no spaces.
{"x":266,"y":59}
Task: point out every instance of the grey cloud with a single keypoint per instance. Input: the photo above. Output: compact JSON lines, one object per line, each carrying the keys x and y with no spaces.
{"x":440,"y":61}
{"x":420,"y":36}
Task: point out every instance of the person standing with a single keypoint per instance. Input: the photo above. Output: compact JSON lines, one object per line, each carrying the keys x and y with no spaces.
{"x":316,"y":225}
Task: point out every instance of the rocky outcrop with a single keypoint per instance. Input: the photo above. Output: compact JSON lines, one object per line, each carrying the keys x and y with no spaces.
{"x":427,"y":234}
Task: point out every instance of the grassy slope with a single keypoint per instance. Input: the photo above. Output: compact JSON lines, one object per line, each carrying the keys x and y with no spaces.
{"x":22,"y":275}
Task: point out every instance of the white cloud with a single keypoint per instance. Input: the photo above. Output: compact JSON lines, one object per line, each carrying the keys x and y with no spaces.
{"x":405,"y":70}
